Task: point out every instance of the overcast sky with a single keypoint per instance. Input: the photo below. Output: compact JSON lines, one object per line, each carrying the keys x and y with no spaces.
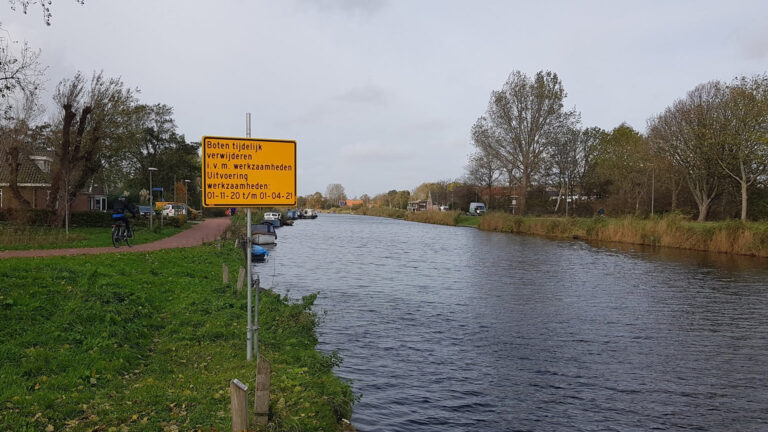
{"x":381,"y":94}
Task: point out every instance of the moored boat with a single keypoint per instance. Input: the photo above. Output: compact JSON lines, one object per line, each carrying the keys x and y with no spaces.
{"x":274,"y":218}
{"x":308,"y":214}
{"x":263,"y":233}
{"x":259,"y":254}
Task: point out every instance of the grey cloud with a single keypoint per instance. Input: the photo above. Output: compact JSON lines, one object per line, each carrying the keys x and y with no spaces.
{"x":352,"y":7}
{"x":756,"y":48}
{"x":372,"y":152}
{"x":370,"y":95}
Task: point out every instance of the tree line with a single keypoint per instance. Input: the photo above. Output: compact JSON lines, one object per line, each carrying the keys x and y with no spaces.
{"x":705,"y":155}
{"x":100,"y":133}
{"x":709,"y":147}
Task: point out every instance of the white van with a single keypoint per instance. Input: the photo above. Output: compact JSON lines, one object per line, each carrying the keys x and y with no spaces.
{"x":476,"y":208}
{"x":172,"y":210}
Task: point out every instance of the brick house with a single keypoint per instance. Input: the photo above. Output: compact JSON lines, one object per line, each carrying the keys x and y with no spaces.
{"x":34,"y":182}
{"x":423,"y":205}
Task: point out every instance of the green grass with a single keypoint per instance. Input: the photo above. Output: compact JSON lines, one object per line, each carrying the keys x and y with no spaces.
{"x":14,"y":237}
{"x":150,"y":341}
{"x":467,"y":221}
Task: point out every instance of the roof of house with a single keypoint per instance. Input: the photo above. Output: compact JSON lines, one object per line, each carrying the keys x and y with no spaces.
{"x":29,"y":172}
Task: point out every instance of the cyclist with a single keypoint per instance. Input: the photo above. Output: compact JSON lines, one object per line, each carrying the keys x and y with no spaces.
{"x":118,"y":213}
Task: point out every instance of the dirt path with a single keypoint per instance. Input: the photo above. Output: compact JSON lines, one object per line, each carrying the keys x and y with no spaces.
{"x":195,"y":236}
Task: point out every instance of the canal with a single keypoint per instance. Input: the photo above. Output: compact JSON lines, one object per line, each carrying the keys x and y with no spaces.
{"x":455,"y":329}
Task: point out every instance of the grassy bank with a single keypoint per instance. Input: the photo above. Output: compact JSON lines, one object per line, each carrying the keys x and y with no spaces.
{"x":18,"y":237}
{"x":451,"y":218}
{"x":149,"y":341}
{"x":675,"y":231}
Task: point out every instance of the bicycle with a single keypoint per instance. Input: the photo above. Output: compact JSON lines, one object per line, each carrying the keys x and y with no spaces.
{"x":121,"y":234}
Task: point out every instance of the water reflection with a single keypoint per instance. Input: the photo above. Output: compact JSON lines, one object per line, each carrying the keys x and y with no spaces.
{"x":445,"y":328}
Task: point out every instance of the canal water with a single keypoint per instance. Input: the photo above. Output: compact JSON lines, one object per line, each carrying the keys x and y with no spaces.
{"x":455,"y":329}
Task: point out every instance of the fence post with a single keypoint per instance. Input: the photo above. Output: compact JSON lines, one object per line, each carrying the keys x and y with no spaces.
{"x":261,"y":393}
{"x":224,"y":274}
{"x":240,"y":279}
{"x":239,"y":396}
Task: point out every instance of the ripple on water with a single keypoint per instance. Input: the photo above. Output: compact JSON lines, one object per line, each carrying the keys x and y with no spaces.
{"x":455,"y":329}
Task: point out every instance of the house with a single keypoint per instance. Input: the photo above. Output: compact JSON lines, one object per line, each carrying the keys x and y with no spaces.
{"x":34,"y":183}
{"x":33,"y":180}
{"x":350,"y":203}
{"x":423,"y":205}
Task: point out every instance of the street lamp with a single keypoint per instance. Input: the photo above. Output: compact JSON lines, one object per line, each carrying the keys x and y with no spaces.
{"x":151,"y":206}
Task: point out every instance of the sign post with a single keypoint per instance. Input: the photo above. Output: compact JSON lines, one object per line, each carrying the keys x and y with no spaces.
{"x":246,"y":172}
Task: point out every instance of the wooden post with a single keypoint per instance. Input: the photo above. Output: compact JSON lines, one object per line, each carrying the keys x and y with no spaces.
{"x":240,"y":279}
{"x":224,"y":274}
{"x":239,"y":396}
{"x":261,"y":393}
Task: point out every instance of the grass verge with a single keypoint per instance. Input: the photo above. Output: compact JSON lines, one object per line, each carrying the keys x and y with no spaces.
{"x":15,"y":237}
{"x":734,"y":237}
{"x":149,"y":341}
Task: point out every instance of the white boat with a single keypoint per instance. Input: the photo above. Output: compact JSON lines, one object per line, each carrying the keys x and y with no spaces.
{"x":308,"y":214}
{"x":263,"y":233}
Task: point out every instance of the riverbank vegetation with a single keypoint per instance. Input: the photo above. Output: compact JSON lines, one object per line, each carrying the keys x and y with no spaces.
{"x":149,"y":341}
{"x":673,"y":230}
{"x":705,"y":156}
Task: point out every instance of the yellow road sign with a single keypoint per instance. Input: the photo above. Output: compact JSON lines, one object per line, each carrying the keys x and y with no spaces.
{"x":248,"y":172}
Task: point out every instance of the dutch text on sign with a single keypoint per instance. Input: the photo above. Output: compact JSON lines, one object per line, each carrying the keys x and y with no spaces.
{"x":246,"y":172}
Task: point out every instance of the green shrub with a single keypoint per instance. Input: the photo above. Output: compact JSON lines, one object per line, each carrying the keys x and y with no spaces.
{"x":90,"y":219}
{"x":33,"y":217}
{"x":177,"y":221}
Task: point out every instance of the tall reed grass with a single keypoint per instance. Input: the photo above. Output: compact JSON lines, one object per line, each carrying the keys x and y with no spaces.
{"x":434,"y":217}
{"x":382,"y":212}
{"x":734,"y":237}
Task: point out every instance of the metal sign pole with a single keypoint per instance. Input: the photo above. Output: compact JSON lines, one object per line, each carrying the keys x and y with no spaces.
{"x":253,"y":346}
{"x":249,"y":348}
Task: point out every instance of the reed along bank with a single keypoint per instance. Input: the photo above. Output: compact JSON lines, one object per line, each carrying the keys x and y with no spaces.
{"x":671,"y":230}
{"x":733,"y":237}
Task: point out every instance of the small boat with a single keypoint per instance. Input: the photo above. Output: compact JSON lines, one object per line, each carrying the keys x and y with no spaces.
{"x":263,"y":233}
{"x":292,"y":214}
{"x":308,"y":214}
{"x":274,"y":218}
{"x":258,"y":254}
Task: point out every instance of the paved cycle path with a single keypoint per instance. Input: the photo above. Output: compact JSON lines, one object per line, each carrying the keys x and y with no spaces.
{"x":207,"y":231}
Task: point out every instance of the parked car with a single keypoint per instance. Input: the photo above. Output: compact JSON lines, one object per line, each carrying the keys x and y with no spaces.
{"x":144,"y":210}
{"x":476,"y":208}
{"x":172,"y":210}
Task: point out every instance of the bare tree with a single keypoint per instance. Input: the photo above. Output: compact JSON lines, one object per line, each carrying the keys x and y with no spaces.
{"x":90,"y":116}
{"x":485,"y":170}
{"x":521,"y":122}
{"x":744,"y":153}
{"x":45,"y":6}
{"x":21,"y":78}
{"x":335,"y":193}
{"x":690,"y":133}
